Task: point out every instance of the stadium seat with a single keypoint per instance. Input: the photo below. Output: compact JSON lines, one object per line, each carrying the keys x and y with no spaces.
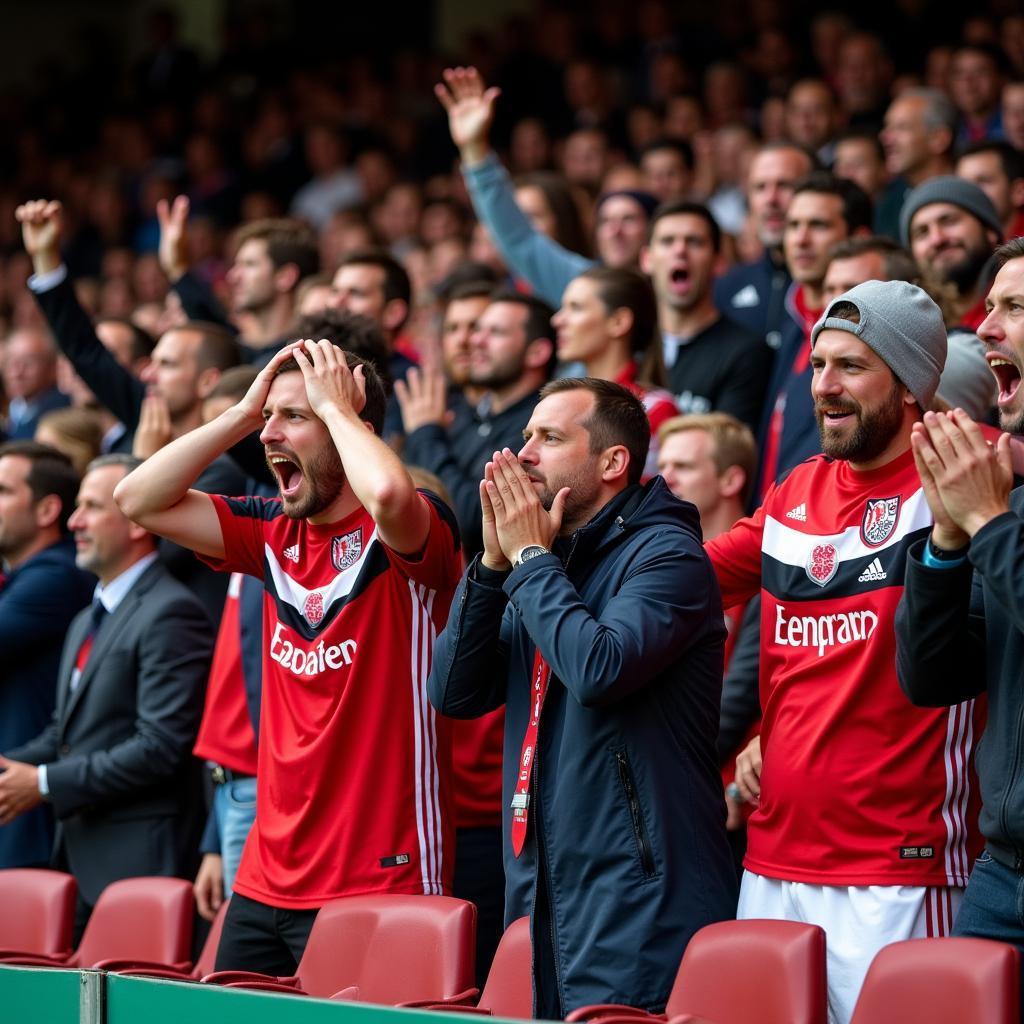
{"x":134,"y":919}
{"x":38,"y":912}
{"x":204,"y":965}
{"x":942,"y":981}
{"x":388,"y":949}
{"x":737,"y":971}
{"x":508,"y":991}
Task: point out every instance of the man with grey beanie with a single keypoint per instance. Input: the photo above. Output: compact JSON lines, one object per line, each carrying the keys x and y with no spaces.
{"x":951,"y":228}
{"x":863,"y":823}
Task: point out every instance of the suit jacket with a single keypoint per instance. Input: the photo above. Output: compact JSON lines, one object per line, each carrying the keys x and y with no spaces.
{"x":25,"y":430}
{"x":122,"y":782}
{"x":37,"y":603}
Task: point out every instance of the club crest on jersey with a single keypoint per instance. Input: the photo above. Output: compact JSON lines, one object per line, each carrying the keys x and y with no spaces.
{"x":313,"y":608}
{"x":822,"y":563}
{"x":345,"y":551}
{"x":880,"y":518}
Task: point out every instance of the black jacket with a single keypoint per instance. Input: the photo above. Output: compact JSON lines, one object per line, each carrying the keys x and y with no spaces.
{"x":960,"y":632}
{"x":626,"y":854}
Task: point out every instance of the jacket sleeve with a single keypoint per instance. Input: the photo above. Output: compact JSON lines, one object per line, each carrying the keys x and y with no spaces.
{"x":199,"y":302}
{"x":471,"y":657}
{"x":940,"y":633}
{"x":110,"y":382}
{"x":667,"y":599}
{"x":540,"y":261}
{"x":35,"y":608}
{"x":741,"y":698}
{"x":431,"y":447}
{"x":43,"y":749}
{"x":736,"y":556}
{"x":174,"y":660}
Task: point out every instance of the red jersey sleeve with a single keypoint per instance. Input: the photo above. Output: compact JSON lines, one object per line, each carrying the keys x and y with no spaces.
{"x":439,"y":565}
{"x":243,"y":524}
{"x":736,"y":556}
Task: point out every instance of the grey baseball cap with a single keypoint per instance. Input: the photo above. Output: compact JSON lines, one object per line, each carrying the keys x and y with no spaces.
{"x":901,"y":324}
{"x":948,"y":188}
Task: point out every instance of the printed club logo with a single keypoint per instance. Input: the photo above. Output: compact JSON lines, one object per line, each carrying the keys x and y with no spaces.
{"x":822,"y":563}
{"x":313,"y":608}
{"x":880,"y":518}
{"x":345,"y":551}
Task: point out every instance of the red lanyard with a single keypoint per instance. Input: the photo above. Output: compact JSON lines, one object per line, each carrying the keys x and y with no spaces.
{"x":521,"y":797}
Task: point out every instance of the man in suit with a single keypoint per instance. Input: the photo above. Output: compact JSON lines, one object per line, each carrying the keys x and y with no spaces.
{"x":41,"y":591}
{"x":30,"y":380}
{"x":114,"y":761}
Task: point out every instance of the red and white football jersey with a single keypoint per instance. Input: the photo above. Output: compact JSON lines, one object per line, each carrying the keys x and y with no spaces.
{"x":858,"y":786}
{"x":353,"y":789}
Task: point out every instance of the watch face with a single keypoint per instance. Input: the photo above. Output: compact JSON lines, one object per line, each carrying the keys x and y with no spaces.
{"x":533,"y":551}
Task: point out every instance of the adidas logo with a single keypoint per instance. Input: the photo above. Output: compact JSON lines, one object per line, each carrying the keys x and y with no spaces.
{"x":292,"y":553}
{"x":800,"y":512}
{"x":746,"y":298}
{"x":873,"y":572}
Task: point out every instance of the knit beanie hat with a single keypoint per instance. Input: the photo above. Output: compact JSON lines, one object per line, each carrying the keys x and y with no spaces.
{"x":949,"y":189}
{"x":902,"y":325}
{"x":967,"y":382}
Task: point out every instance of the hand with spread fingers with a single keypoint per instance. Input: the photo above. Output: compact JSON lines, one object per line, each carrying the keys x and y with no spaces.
{"x":251,"y":405}
{"x":423,"y":399}
{"x":971,"y":478}
{"x":470,"y":108}
{"x":330,"y":385}
{"x":520,"y":519}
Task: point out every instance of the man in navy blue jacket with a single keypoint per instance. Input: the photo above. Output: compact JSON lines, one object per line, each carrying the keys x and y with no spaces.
{"x":40,"y":594}
{"x":593,"y":615}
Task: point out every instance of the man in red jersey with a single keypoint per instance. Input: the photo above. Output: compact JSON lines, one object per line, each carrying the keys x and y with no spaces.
{"x":865,"y":822}
{"x":359,"y":569}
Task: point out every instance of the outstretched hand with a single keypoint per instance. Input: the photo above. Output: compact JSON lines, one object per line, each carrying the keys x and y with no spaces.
{"x":470,"y":109}
{"x":41,"y":221}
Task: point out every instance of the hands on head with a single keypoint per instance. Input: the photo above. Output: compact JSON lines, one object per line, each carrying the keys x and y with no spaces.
{"x":966,"y":480}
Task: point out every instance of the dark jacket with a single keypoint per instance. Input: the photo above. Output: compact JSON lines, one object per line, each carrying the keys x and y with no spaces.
{"x":626,"y":854}
{"x":752,"y":294}
{"x":960,"y":632}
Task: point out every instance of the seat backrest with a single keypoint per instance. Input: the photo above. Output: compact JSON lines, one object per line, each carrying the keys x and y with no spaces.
{"x":942,"y":981}
{"x":393,"y":948}
{"x":208,"y":955}
{"x":769,"y":971}
{"x":509,"y":988}
{"x":139,"y":919}
{"x":38,"y":910}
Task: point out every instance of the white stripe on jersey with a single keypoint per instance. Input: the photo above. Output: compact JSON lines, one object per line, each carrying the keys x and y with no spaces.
{"x":789,"y":546}
{"x":425,"y":744}
{"x":957,"y":755}
{"x":295,"y":594}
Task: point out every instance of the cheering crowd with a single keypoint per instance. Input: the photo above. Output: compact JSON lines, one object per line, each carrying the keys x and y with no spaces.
{"x":610,"y":520}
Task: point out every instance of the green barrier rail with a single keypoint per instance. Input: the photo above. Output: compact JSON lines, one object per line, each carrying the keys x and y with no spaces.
{"x":42,"y":996}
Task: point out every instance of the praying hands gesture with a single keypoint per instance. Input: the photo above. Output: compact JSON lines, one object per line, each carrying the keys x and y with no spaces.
{"x":513,"y":514}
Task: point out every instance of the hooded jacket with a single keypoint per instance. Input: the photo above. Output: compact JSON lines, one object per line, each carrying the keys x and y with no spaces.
{"x":626,"y":854}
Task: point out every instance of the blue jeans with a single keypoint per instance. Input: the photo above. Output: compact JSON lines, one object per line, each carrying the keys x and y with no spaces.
{"x":993,"y":906}
{"x":234,"y":805}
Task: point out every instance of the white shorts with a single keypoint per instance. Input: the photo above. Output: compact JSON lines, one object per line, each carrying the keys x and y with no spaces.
{"x":858,"y":922}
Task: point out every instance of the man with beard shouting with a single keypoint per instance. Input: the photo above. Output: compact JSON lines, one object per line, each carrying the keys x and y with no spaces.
{"x":865,"y":805}
{"x":359,"y":568}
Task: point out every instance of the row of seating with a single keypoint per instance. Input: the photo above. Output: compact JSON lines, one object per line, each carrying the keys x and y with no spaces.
{"x":772,"y":972}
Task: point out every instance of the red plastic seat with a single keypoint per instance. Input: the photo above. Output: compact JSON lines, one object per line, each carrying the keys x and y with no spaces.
{"x":134,"y":919}
{"x":38,"y":912}
{"x":942,"y":981}
{"x":388,"y":948}
{"x":204,"y":965}
{"x":508,"y":991}
{"x":737,"y":971}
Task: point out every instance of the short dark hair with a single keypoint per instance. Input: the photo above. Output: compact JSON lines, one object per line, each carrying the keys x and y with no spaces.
{"x":376,"y":397}
{"x":357,"y":334}
{"x":1010,"y":158}
{"x":467,"y":274}
{"x":234,"y":382}
{"x":863,"y":135}
{"x":618,"y":417}
{"x":898,"y":264}
{"x":678,"y":146}
{"x":50,"y":472}
{"x":396,"y":280}
{"x":677,"y":207}
{"x":1011,"y":250}
{"x":142,"y":341}
{"x":288,"y":241}
{"x":218,"y":347}
{"x":856,"y":206}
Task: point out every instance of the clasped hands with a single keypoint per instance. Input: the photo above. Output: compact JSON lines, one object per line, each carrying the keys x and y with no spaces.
{"x":513,"y":514}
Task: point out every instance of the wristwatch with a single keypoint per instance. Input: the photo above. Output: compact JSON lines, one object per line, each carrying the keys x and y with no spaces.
{"x":525,"y":554}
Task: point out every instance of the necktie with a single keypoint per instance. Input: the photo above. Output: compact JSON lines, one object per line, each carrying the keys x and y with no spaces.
{"x":96,"y":617}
